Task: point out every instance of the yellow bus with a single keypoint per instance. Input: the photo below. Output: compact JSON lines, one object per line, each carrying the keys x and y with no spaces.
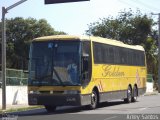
{"x":84,"y":70}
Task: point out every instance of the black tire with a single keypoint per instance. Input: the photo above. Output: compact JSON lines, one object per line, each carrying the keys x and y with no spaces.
{"x":129,"y":95}
{"x":50,"y":108}
{"x":135,"y":94}
{"x":94,"y":100}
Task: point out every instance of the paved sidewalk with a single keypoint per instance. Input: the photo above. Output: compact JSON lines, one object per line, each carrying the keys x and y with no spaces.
{"x":151,"y":93}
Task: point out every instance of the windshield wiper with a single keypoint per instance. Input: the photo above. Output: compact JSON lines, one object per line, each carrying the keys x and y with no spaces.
{"x":59,"y":79}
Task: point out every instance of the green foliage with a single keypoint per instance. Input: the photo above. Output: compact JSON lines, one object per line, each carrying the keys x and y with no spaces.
{"x":20,"y":32}
{"x":131,"y":28}
{"x":151,"y":56}
{"x":149,"y":78}
{"x":127,"y":27}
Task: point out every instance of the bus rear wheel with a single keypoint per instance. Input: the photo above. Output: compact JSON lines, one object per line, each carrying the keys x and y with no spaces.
{"x":94,"y":100}
{"x":129,"y":95}
{"x":135,"y":94}
{"x":50,"y":108}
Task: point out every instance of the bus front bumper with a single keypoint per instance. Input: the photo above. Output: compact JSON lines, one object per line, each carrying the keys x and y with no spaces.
{"x":59,"y":99}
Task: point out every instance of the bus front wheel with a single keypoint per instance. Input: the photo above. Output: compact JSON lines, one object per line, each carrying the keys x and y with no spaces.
{"x":50,"y":108}
{"x":94,"y":100}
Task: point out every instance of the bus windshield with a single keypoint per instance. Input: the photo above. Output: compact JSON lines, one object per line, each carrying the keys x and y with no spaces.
{"x":54,"y":63}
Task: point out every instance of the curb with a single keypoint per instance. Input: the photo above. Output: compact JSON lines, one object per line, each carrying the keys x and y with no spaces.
{"x":151,"y":93}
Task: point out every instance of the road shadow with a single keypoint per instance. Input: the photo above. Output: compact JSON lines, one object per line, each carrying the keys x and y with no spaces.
{"x":62,"y":110}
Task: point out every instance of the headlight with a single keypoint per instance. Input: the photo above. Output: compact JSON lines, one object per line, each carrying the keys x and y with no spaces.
{"x":71,"y":92}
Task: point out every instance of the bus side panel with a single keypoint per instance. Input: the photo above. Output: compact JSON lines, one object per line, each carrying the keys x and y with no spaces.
{"x":112,"y":81}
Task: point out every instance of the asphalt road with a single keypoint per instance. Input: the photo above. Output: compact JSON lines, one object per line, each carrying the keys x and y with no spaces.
{"x":146,"y":108}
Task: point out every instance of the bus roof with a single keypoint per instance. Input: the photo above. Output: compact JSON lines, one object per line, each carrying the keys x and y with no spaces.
{"x":89,"y":38}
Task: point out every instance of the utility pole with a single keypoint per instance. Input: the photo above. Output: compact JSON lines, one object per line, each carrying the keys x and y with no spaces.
{"x":158,"y":50}
{"x":3,"y":44}
{"x":4,"y":12}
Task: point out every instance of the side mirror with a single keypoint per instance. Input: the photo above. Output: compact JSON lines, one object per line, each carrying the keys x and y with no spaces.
{"x":85,"y":68}
{"x":85,"y":60}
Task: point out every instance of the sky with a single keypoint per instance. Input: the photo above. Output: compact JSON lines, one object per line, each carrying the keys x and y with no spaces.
{"x":73,"y":18}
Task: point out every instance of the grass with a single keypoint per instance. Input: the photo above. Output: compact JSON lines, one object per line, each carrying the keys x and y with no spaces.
{"x":20,"y":109}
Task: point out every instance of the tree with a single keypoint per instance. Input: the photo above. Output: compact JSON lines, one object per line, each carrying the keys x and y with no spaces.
{"x":151,"y":50}
{"x":20,"y":32}
{"x":127,"y":27}
{"x":131,"y":28}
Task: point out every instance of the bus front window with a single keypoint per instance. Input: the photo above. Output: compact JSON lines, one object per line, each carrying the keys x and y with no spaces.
{"x":54,"y":63}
